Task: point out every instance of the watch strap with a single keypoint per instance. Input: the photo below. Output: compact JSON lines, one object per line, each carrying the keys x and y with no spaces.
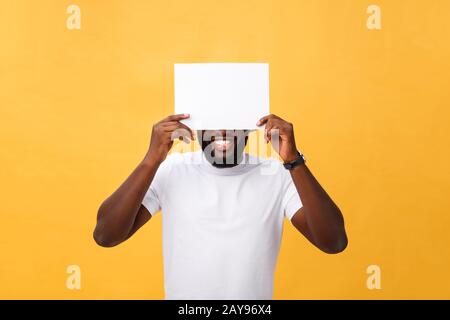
{"x":291,"y":165}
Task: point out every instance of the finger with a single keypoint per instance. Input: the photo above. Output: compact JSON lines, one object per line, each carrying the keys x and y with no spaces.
{"x":272,"y":125}
{"x":176,"y":117}
{"x":171,"y":137}
{"x":267,"y":129}
{"x":264,"y":119}
{"x":177,"y":126}
{"x":182,"y":132}
{"x":168,"y":123}
{"x":184,"y":139}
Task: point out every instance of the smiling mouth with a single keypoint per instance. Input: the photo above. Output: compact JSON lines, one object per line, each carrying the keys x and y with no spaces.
{"x":222,"y":144}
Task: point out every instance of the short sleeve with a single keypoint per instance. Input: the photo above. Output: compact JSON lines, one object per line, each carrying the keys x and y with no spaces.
{"x":152,"y":199}
{"x":291,"y":201}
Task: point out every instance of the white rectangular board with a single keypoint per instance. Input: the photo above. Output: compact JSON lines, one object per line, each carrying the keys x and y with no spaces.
{"x":222,"y":95}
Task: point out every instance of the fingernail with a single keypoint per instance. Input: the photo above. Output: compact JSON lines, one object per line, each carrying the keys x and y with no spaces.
{"x":186,"y":114}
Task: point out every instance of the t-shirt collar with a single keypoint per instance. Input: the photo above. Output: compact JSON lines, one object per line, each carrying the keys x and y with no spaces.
{"x":242,"y":167}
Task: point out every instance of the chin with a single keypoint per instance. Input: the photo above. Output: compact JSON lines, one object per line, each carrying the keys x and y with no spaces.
{"x":223,"y":153}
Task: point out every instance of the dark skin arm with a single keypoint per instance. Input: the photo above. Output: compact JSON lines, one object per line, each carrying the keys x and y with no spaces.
{"x":319,"y":220}
{"x":122,"y":214}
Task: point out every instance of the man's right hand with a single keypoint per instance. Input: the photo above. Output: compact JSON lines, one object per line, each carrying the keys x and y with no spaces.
{"x":164,"y":133}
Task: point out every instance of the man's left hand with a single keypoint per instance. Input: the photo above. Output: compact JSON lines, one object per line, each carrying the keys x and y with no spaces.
{"x":287,"y":148}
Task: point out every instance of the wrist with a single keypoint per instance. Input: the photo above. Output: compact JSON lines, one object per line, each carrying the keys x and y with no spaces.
{"x":292,"y":156}
{"x":298,"y":160}
{"x":153,"y":159}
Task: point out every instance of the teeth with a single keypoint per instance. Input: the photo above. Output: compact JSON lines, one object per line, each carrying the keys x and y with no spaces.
{"x":222,"y":142}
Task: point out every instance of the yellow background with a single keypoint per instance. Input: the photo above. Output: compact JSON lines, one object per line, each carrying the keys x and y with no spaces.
{"x":370,"y":108}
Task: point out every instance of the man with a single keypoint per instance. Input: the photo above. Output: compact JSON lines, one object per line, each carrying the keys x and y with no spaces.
{"x":223,"y":209}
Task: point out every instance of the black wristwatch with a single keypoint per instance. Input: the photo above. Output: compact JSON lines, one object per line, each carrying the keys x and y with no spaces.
{"x":291,"y":165}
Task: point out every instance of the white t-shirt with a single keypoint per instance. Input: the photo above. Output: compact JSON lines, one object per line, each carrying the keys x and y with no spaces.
{"x":221,"y":227}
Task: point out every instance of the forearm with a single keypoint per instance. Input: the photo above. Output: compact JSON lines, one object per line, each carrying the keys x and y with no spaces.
{"x":117,"y":214}
{"x":324,"y":220}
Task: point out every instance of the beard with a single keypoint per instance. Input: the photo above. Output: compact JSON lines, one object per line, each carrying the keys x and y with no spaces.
{"x":223,"y":151}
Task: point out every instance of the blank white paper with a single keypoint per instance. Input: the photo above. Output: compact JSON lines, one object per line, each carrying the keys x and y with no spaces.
{"x":222,"y":95}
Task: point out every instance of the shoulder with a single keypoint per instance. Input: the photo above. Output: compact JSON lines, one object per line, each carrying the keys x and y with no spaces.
{"x":166,"y":167}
